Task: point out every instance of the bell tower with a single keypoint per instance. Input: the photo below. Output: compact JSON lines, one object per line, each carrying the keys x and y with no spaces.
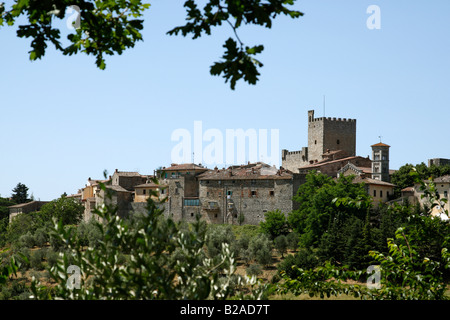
{"x":380,"y":162}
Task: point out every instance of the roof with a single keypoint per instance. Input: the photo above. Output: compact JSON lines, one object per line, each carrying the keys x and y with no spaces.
{"x":320,"y":163}
{"x":443,"y":179}
{"x":408,"y":189}
{"x":373,"y":181}
{"x":184,"y":166}
{"x":117,"y":188}
{"x":150,"y":185}
{"x":127,"y":173}
{"x":26,"y":204}
{"x":380,"y":145}
{"x":251,"y":171}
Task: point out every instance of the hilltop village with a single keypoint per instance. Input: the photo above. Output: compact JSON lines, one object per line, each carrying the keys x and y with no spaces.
{"x":242,"y":194}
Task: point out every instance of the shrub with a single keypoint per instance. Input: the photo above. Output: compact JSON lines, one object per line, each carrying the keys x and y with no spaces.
{"x":51,"y":257}
{"x":281,"y":244}
{"x":260,"y":249}
{"x":36,"y":258}
{"x":149,"y":242}
{"x":216,"y":236}
{"x":26,"y":240}
{"x":41,"y":237}
{"x":275,"y":224}
{"x":254,"y":270}
{"x":293,"y":239}
{"x":304,"y":259}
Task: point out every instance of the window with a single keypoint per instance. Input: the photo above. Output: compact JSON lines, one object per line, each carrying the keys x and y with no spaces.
{"x":446,"y":194}
{"x":191,"y":202}
{"x":271,"y":193}
{"x":387,"y":194}
{"x":315,"y":141}
{"x":192,"y":214}
{"x":229,"y":193}
{"x":337,"y":141}
{"x":253,"y":193}
{"x":374,"y":193}
{"x":143,"y":191}
{"x":381,"y":193}
{"x":163,"y":191}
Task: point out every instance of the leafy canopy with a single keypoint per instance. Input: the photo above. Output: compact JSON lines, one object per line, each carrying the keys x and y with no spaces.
{"x":107,"y":27}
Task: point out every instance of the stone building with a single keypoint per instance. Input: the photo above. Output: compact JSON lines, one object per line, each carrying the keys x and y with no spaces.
{"x":183,"y":190}
{"x":375,"y":174}
{"x":380,"y":162}
{"x":334,"y":136}
{"x":243,"y":194}
{"x":438,"y":162}
{"x":27,"y":207}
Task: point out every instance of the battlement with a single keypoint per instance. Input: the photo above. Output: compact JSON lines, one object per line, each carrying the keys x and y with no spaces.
{"x":311,"y":118}
{"x":332,"y":119}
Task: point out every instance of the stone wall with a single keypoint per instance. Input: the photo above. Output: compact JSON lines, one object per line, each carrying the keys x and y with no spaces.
{"x":224,"y":201}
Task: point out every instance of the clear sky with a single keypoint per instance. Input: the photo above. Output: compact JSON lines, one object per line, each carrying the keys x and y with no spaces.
{"x":62,"y":120}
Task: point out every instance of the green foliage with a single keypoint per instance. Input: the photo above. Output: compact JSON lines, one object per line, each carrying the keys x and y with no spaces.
{"x":403,"y":178}
{"x":260,"y":249}
{"x":304,"y":259}
{"x":20,"y":225}
{"x":20,"y":193}
{"x":238,"y":61}
{"x":293,"y":238}
{"x":164,"y":262}
{"x":108,"y":27}
{"x":318,"y":206}
{"x":415,"y":265}
{"x":89,"y":234}
{"x":254,"y":270}
{"x":218,"y":235}
{"x":274,"y":224}
{"x":281,"y":244}
{"x":4,"y":218}
{"x":7,"y":269}
{"x":36,"y":259}
{"x":27,"y":240}
{"x":68,"y":210}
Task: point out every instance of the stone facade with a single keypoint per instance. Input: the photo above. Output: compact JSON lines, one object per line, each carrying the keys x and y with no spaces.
{"x":27,"y":207}
{"x":438,"y":162}
{"x":243,"y":194}
{"x":324,"y":135}
{"x":332,"y":167}
{"x":380,"y":162}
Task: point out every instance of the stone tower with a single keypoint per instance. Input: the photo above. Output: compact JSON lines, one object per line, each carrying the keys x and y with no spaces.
{"x":380,"y":162}
{"x":330,"y":134}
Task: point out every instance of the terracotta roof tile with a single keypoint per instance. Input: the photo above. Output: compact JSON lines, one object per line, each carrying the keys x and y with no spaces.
{"x":253,"y":171}
{"x":184,"y":166}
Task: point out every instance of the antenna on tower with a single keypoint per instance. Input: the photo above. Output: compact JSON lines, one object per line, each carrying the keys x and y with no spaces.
{"x":380,"y":138}
{"x":324,"y":106}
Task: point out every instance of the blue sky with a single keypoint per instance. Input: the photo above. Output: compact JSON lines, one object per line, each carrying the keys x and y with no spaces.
{"x":63,"y":120}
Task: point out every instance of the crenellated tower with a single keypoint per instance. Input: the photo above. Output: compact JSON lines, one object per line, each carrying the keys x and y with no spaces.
{"x":330,"y":134}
